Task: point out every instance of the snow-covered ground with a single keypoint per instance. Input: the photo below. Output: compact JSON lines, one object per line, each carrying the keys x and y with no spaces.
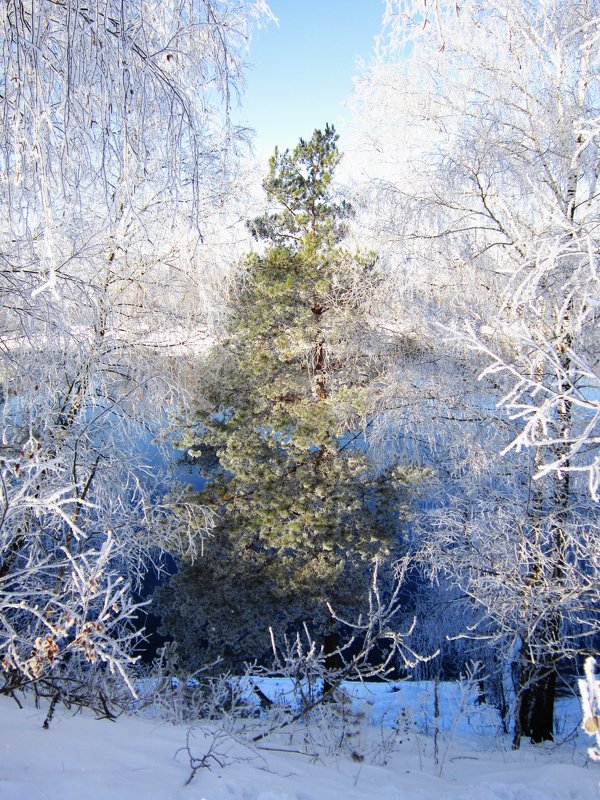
{"x":380,"y":746}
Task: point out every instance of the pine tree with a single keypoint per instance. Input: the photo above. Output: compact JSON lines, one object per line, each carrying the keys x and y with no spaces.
{"x":302,"y":514}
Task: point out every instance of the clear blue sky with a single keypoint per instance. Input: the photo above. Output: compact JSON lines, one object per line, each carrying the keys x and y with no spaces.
{"x":301,"y":70}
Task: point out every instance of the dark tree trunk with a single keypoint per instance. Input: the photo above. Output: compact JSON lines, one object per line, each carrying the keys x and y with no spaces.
{"x":541,"y":647}
{"x":534,"y":713}
{"x":534,"y":717}
{"x":333,"y":660}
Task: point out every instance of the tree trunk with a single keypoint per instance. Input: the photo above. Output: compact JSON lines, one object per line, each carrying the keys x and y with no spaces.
{"x":333,"y":661}
{"x":534,"y":714}
{"x":540,"y":646}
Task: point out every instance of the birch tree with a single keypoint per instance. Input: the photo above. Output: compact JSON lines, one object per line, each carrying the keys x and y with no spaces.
{"x":489,"y":140}
{"x":116,"y":160}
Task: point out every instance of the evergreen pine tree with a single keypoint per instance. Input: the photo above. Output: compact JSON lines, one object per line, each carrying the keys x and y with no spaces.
{"x":301,"y":512}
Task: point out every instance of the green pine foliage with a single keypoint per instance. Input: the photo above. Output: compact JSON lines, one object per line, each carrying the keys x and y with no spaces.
{"x":302,"y":514}
{"x":300,"y":184}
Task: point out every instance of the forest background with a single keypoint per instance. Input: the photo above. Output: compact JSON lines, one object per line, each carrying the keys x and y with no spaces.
{"x":417,"y":348}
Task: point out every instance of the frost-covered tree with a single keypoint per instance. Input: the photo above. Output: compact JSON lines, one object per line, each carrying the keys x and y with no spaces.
{"x":283,"y":405}
{"x":115,"y":159}
{"x":484,"y":117}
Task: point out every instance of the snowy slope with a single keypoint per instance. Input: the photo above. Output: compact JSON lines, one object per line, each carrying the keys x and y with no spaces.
{"x":143,"y":759}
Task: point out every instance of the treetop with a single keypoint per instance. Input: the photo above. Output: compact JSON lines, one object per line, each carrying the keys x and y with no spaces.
{"x":299,"y":183}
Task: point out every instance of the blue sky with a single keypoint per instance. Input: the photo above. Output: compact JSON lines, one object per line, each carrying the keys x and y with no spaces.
{"x":302,"y":69}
